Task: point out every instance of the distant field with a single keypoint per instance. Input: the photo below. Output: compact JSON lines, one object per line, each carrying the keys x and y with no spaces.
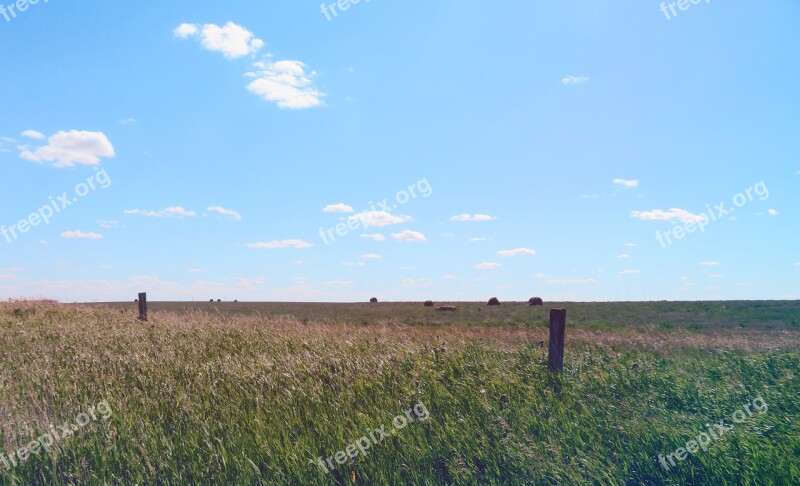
{"x":238,"y":393}
{"x":665,"y":315}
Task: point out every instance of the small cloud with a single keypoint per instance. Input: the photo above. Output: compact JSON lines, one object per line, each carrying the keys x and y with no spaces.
{"x":624,"y":256}
{"x":479,"y":239}
{"x":225,"y":212}
{"x":80,"y":235}
{"x":472,"y":217}
{"x":409,"y":282}
{"x":354,"y":264}
{"x":487,"y":266}
{"x":710,"y":264}
{"x":585,"y":281}
{"x":232,"y":40}
{"x":379,"y":218}
{"x":111,"y":224}
{"x":302,"y":262}
{"x":590,"y":196}
{"x":629,"y":272}
{"x":67,"y":149}
{"x":127,"y":121}
{"x":625,"y":183}
{"x":630,"y":245}
{"x":374,"y":236}
{"x":541,"y":275}
{"x":453,"y":277}
{"x":338,"y":283}
{"x":175,"y":211}
{"x":567,"y":80}
{"x":337,"y":208}
{"x":280,"y":244}
{"x":196,"y":270}
{"x":715,"y":275}
{"x":285,"y":83}
{"x":516,"y":252}
{"x":410,"y":236}
{"x":772,"y":212}
{"x":675,"y":213}
{"x":33,"y":134}
{"x":371,"y":256}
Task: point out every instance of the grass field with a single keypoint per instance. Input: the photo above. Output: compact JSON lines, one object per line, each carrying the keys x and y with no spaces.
{"x":241,"y":393}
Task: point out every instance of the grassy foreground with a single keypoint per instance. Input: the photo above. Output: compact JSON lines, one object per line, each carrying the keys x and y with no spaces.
{"x":253,"y":398}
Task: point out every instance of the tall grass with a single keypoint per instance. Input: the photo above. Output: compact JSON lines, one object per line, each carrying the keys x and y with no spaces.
{"x":203,"y":398}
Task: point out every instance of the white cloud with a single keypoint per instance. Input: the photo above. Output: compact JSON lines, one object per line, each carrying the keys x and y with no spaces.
{"x":33,"y":134}
{"x":479,"y":239}
{"x":629,"y":272}
{"x":285,"y":83}
{"x":280,"y":244}
{"x":408,"y":235}
{"x":472,"y":217}
{"x":225,"y":212}
{"x":487,"y":266}
{"x":107,"y":224}
{"x":630,"y":245}
{"x":339,"y":283}
{"x":81,"y":235}
{"x":408,"y":282}
{"x":232,"y":40}
{"x":624,"y":256}
{"x":127,"y":121}
{"x":453,"y":277}
{"x":337,"y":208}
{"x":516,"y":252}
{"x":625,"y":183}
{"x":586,"y":281}
{"x":371,"y":256}
{"x":175,"y":211}
{"x":379,"y":218}
{"x":797,"y":264}
{"x":709,"y":264}
{"x":374,"y":236}
{"x":772,"y":212}
{"x":574,"y":80}
{"x":715,"y":275}
{"x":66,"y":149}
{"x":675,"y":213}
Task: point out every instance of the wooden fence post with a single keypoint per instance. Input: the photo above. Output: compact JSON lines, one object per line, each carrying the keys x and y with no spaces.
{"x":558,"y":323}
{"x":143,"y":306}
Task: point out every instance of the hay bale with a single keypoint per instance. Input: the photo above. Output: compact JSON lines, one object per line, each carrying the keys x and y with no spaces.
{"x":373,"y":300}
{"x":428,"y":303}
{"x":493,"y":301}
{"x":536,"y":301}
{"x":447,"y":308}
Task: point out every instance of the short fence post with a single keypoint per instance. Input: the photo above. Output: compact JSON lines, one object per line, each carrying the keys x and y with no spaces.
{"x":143,"y":306}
{"x":558,"y":324}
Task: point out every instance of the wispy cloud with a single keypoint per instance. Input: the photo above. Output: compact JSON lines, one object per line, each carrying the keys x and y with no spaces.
{"x":472,"y":217}
{"x":487,"y":266}
{"x":625,"y":183}
{"x":33,"y":134}
{"x":374,"y":237}
{"x":630,"y":272}
{"x":516,"y":252}
{"x":585,"y":281}
{"x":675,"y":213}
{"x":225,"y":212}
{"x":175,"y":211}
{"x":409,"y":236}
{"x":337,"y":208}
{"x":568,"y":80}
{"x":280,"y":244}
{"x":710,"y":264}
{"x":379,"y":218}
{"x":80,"y":235}
{"x":371,"y":256}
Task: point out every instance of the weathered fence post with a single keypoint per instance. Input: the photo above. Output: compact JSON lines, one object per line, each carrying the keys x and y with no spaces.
{"x":143,"y":306}
{"x":558,"y":323}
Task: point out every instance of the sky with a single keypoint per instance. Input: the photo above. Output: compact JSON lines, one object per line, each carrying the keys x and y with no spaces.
{"x":283,"y":150}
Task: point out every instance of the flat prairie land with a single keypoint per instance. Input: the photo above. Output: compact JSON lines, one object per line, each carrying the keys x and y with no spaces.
{"x":396,"y":393}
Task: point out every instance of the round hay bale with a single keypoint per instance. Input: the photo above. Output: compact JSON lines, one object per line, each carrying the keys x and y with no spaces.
{"x":493,"y":301}
{"x":373,"y":300}
{"x":536,"y":301}
{"x":428,"y":303}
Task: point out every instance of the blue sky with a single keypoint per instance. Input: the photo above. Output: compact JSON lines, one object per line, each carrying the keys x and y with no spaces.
{"x":205,"y":149}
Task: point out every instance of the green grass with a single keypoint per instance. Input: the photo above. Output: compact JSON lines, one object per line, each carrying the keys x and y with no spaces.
{"x":248,"y":396}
